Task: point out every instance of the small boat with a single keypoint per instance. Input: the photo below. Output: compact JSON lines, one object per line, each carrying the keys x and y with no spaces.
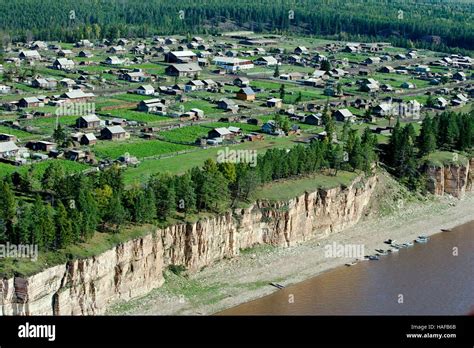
{"x":393,"y":250}
{"x":408,"y":244}
{"x":381,"y":252}
{"x":424,"y":237}
{"x":421,"y":240}
{"x":445,"y":230}
{"x":373,"y":257}
{"x":389,"y":241}
{"x":349,"y":264}
{"x":276,"y":285}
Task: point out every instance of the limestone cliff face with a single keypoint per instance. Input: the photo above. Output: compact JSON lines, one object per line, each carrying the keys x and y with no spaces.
{"x":87,"y":286}
{"x":450,"y":179}
{"x":134,"y":268}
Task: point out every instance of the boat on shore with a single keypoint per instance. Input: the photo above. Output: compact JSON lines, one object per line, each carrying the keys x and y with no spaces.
{"x":445,"y":230}
{"x":349,"y":264}
{"x":373,"y":257}
{"x":421,"y":240}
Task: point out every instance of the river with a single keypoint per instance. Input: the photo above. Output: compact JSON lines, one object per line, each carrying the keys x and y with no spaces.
{"x":436,"y":278}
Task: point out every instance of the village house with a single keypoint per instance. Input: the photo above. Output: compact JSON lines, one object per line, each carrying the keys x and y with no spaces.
{"x":65,"y":53}
{"x":63,"y":64}
{"x":41,"y":145}
{"x":29,"y":102}
{"x":241,"y":82}
{"x":134,"y":76}
{"x":221,"y":132}
{"x":181,"y":70}
{"x":117,"y":50}
{"x":77,"y":96}
{"x":85,"y":54}
{"x":459,"y":76}
{"x":387,"y":69}
{"x":113,"y":60}
{"x":274,"y":103}
{"x":45,"y":83}
{"x":88,"y":139}
{"x":382,"y":110}
{"x":29,"y":55}
{"x":5,"y":89}
{"x":113,"y":133}
{"x":407,"y":85}
{"x":180,"y":57}
{"x":89,"y":122}
{"x":372,"y":60}
{"x":266,"y":61}
{"x":8,"y":137}
{"x":145,"y":90}
{"x":344,"y":115}
{"x":246,"y":93}
{"x":301,"y":50}
{"x":194,"y":85}
{"x":39,"y":45}
{"x":440,"y":103}
{"x":227,"y":105}
{"x":8,"y":149}
{"x":84,"y":43}
{"x":233,"y":64}
{"x":314,"y":119}
{"x":270,"y":127}
{"x":156,"y":105}
{"x":459,"y":100}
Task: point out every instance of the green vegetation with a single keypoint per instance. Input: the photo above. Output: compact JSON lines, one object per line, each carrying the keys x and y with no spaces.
{"x":291,"y":188}
{"x":345,"y":19}
{"x":138,"y":148}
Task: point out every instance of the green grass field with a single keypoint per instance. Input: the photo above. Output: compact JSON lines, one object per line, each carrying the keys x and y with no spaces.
{"x":181,"y":163}
{"x":21,"y":135}
{"x":134,"y":115}
{"x":291,"y":188}
{"x":442,"y":158}
{"x":40,"y":167}
{"x":136,"y":147}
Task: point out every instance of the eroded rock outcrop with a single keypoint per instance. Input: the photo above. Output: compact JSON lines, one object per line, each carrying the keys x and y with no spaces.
{"x":453,"y":179}
{"x":135,"y":267}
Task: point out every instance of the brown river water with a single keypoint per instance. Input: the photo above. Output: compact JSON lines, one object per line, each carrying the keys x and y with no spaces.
{"x":426,"y":279}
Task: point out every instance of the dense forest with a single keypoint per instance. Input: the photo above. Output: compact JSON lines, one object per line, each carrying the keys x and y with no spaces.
{"x":400,"y":21}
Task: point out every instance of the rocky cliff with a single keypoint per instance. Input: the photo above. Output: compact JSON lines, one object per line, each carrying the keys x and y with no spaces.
{"x":453,"y":179}
{"x":133,"y":268}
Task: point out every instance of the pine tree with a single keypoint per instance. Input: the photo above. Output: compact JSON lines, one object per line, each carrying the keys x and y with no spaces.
{"x":8,"y":206}
{"x":276,"y":73}
{"x":427,"y":139}
{"x":64,"y":233}
{"x":185,"y":193}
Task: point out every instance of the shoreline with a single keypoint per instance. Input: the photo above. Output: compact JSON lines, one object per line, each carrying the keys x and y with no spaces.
{"x":245,"y":278}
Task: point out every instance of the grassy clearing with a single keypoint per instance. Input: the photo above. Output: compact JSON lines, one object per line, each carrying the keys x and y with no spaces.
{"x":39,"y":168}
{"x":134,"y":115}
{"x":21,"y":135}
{"x":287,"y":189}
{"x":136,"y":147}
{"x":442,"y":158}
{"x":181,"y":163}
{"x":185,"y":134}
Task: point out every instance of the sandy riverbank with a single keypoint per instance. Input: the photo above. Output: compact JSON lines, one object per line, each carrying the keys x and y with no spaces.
{"x":235,"y":281}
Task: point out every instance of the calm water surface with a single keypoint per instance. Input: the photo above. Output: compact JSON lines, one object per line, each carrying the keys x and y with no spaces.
{"x":431,"y":280}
